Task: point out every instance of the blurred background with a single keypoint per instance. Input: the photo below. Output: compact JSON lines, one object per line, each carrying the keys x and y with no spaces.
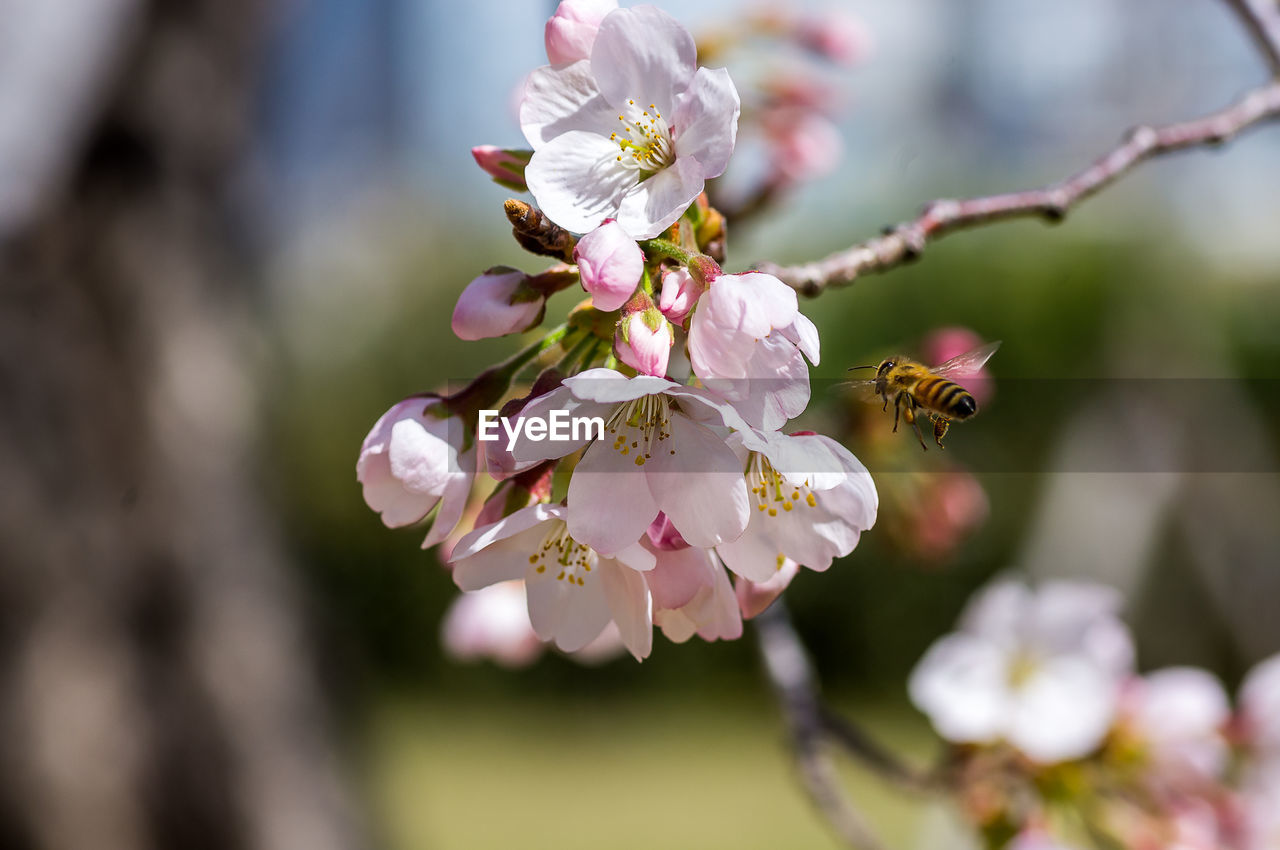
{"x":231,"y":236}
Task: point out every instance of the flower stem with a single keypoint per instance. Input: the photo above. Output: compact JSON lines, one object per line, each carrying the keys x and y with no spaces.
{"x":667,"y":248}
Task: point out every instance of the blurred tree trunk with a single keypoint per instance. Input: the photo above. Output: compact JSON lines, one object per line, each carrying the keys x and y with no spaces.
{"x":156,"y":689}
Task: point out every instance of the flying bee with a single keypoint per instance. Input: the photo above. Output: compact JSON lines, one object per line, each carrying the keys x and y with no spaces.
{"x":913,"y":387}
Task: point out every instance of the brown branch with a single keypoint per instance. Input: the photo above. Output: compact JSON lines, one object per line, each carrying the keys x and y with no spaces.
{"x":1262,"y":19}
{"x":813,"y":726}
{"x":905,"y":242}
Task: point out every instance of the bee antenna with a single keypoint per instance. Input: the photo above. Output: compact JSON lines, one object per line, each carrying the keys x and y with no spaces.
{"x":852,"y":368}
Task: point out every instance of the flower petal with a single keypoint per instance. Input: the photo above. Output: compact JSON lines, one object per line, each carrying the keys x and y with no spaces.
{"x":509,"y":526}
{"x":753,"y":555}
{"x":560,"y":401}
{"x":560,"y":100}
{"x":611,"y":387}
{"x":804,"y":334}
{"x":643,"y":54}
{"x":961,"y":684}
{"x":1064,"y":711}
{"x":504,"y":560}
{"x":699,"y":484}
{"x":560,"y":610}
{"x":452,"y":504}
{"x":705,"y":125}
{"x":627,"y":595}
{"x":578,"y":181}
{"x":651,"y":206}
{"x":609,"y":501}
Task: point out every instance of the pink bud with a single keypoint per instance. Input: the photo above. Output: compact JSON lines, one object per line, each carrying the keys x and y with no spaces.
{"x":839,"y":36}
{"x":664,"y":536}
{"x":505,"y":166}
{"x":571,"y":31}
{"x":610,"y":265}
{"x":755,"y":596}
{"x":643,"y":342}
{"x":495,"y":304}
{"x":679,"y":293}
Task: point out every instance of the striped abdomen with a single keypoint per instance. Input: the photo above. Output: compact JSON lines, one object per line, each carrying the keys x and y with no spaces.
{"x":945,"y":397}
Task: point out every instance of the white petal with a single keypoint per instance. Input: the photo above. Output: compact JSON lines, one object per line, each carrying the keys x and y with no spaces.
{"x":572,"y":615}
{"x":452,"y":504}
{"x":542,"y":408}
{"x":651,"y":206}
{"x":699,"y":487}
{"x":752,"y":555}
{"x":628,"y":599}
{"x":504,"y":560}
{"x":520,"y":521}
{"x":1063,"y":711}
{"x":559,"y":100}
{"x":420,"y":458}
{"x":384,"y":493}
{"x":610,"y":505}
{"x":706,"y":121}
{"x":643,"y":54}
{"x":578,"y":181}
{"x":678,"y":576}
{"x":611,"y":387}
{"x":961,"y":684}
{"x":805,"y":335}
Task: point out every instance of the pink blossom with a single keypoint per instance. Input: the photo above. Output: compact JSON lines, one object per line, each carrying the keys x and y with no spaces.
{"x":573,"y":591}
{"x":499,"y":462}
{"x":680,"y":291}
{"x":755,"y":596}
{"x":838,"y":35}
{"x":811,"y":501}
{"x":804,"y":145}
{"x":692,"y":595}
{"x":571,"y":31}
{"x":418,"y":456}
{"x":610,"y":264}
{"x":643,"y":340}
{"x":660,"y":452}
{"x":505,"y":166}
{"x":492,"y":622}
{"x":497,"y":303}
{"x":1179,"y":714}
{"x":633,"y":132}
{"x":1260,"y":707}
{"x":748,"y":341}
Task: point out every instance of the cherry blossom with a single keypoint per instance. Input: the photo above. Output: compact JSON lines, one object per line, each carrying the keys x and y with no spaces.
{"x":811,"y":499}
{"x":414,"y":459}
{"x":492,"y":622}
{"x":610,"y":264}
{"x":631,"y":133}
{"x":571,"y":31}
{"x":691,"y":590}
{"x":497,"y":303}
{"x":659,"y":453}
{"x":1040,"y":670}
{"x":1260,"y":707}
{"x":573,"y":591}
{"x":643,"y":340}
{"x":1178,"y":715}
{"x":748,"y":341}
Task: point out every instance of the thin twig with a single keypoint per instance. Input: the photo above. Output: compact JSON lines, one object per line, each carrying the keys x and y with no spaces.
{"x":907,"y":241}
{"x":1262,"y":18}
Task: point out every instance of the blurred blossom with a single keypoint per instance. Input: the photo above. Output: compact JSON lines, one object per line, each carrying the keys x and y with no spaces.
{"x":493,"y":623}
{"x":941,"y":511}
{"x":1260,"y":810}
{"x":1037,"y":839}
{"x":1260,"y":707}
{"x":610,"y":264}
{"x":803,"y":144}
{"x":571,"y":31}
{"x":414,"y":459}
{"x":838,"y":35}
{"x":1178,"y":715}
{"x":497,"y":303}
{"x":1041,"y":670}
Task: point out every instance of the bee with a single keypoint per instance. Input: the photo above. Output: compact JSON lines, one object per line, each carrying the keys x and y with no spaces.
{"x":913,"y":387}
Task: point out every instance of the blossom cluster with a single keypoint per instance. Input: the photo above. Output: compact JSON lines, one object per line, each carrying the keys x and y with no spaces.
{"x":1059,"y":741}
{"x":692,"y":374}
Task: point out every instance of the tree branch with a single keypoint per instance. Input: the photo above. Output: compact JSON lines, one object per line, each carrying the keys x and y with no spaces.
{"x":904,"y":243}
{"x":1262,"y":19}
{"x":813,"y":726}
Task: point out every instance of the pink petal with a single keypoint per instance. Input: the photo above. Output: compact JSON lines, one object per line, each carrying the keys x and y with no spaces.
{"x":609,"y":501}
{"x":706,"y":121}
{"x":628,"y":600}
{"x":612,"y":387}
{"x":578,"y":182}
{"x":517,"y":523}
{"x":505,"y":560}
{"x":643,"y":54}
{"x":560,"y":100}
{"x":700,"y":486}
{"x":572,"y":615}
{"x":649,"y":207}
{"x":571,"y":31}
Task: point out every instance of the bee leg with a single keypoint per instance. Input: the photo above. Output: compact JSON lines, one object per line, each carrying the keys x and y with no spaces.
{"x":897,"y":409}
{"x":914,"y":421}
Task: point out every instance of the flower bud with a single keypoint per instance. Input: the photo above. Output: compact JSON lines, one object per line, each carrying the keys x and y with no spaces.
{"x":643,"y":339}
{"x":679,"y":293}
{"x":610,"y":264}
{"x":571,"y":31}
{"x":505,"y":166}
{"x":495,"y":304}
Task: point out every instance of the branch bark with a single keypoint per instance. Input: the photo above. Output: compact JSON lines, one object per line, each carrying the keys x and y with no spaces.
{"x":1262,"y":19}
{"x":906,"y":242}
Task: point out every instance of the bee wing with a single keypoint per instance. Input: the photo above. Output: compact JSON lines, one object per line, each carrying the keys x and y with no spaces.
{"x":967,"y":363}
{"x":862,"y":390}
